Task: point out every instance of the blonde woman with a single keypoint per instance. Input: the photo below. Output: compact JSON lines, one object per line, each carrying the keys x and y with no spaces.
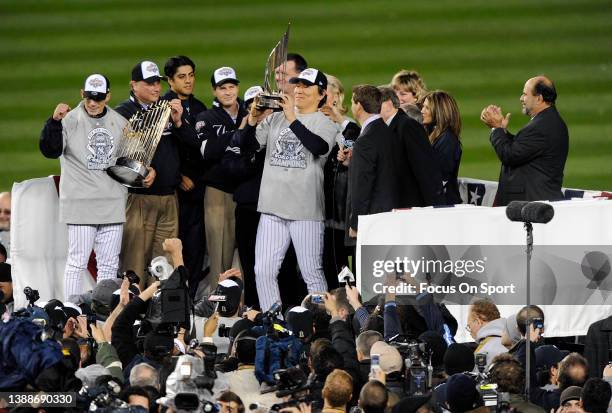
{"x":335,"y":254}
{"x":442,"y":121}
{"x":409,"y":87}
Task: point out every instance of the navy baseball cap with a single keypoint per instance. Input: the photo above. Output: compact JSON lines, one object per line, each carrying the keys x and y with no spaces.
{"x":311,"y":77}
{"x":96,"y":87}
{"x":146,"y":71}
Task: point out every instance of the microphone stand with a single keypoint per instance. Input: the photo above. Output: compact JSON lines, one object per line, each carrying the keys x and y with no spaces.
{"x":529,"y":250}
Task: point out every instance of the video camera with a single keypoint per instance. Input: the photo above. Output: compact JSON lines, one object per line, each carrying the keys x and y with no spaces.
{"x":418,"y":373}
{"x":195,"y":380}
{"x":104,"y":398}
{"x":31,"y":295}
{"x":291,"y":382}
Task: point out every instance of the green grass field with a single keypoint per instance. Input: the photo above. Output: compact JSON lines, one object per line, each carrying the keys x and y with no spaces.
{"x":480,"y":51}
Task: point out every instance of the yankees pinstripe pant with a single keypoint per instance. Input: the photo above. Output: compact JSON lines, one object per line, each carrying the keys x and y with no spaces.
{"x":273,"y":237}
{"x":105,"y":240}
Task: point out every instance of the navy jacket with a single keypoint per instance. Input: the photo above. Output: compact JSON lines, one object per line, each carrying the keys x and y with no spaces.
{"x":448,"y":152}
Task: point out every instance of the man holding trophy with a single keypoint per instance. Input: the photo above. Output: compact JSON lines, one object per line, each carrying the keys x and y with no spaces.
{"x":291,"y":200}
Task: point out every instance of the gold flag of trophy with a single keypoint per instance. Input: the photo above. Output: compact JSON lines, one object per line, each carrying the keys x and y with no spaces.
{"x":271,"y":90}
{"x":138,"y":143}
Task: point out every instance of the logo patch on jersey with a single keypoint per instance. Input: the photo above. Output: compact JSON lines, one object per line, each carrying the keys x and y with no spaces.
{"x":200,"y":125}
{"x":289,"y":151}
{"x":101,"y":144}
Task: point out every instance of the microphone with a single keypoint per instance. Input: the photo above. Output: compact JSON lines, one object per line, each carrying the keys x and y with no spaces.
{"x":537,"y":213}
{"x":514,"y":210}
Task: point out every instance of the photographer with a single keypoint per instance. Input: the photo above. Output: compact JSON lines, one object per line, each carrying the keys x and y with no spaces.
{"x":486,"y":327}
{"x":364,"y":344}
{"x":509,"y":376}
{"x":391,"y":363}
{"x":229,"y":292}
{"x":6,"y":291}
{"x":458,"y":358}
{"x":342,"y":336}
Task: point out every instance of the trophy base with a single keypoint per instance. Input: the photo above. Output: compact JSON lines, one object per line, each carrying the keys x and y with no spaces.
{"x":268,"y":101}
{"x":128,"y":172}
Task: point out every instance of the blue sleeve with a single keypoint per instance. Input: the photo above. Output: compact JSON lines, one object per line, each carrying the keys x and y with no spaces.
{"x":392,"y":323}
{"x":433,"y":317}
{"x":362,"y":316}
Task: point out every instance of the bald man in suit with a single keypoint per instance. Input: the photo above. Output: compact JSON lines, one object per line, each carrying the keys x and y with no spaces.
{"x":533,"y":160}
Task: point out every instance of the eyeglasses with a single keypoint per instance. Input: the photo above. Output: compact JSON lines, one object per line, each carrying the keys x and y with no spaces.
{"x":5,"y":211}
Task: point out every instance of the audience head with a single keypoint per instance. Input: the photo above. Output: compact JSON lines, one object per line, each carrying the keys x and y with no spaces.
{"x":325,"y":360}
{"x":458,"y":358}
{"x":573,"y":371}
{"x":413,"y":111}
{"x":570,"y":400}
{"x":299,"y":321}
{"x":437,"y":346}
{"x":414,"y":404}
{"x":547,"y":358}
{"x":143,"y":375}
{"x":338,"y":389}
{"x":595,"y":396}
{"x":409,"y":86}
{"x":230,"y":402}
{"x":389,"y":103}
{"x":481,"y":312}
{"x":231,"y":288}
{"x":320,"y":318}
{"x":373,"y":397}
{"x":366,"y":101}
{"x":539,"y":93}
{"x":390,"y":358}
{"x":6,"y":283}
{"x":3,"y":253}
{"x":244,"y":347}
{"x":364,"y":343}
{"x":335,"y":94}
{"x":511,"y":334}
{"x":136,"y":396}
{"x":508,"y":373}
{"x":5,"y":211}
{"x":440,"y":114}
{"x":527,"y":314}
{"x":461,"y":394}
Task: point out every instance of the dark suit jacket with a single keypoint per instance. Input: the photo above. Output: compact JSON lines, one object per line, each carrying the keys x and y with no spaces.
{"x":533,"y":160}
{"x":372,"y":173}
{"x":420,"y":179}
{"x":448,"y":153}
{"x":597,"y":345}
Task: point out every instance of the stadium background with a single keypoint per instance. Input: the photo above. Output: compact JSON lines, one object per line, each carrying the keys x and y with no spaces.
{"x":481,"y":51}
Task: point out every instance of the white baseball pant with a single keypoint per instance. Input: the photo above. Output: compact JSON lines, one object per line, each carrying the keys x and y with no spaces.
{"x":274,"y":235}
{"x":105,"y":240}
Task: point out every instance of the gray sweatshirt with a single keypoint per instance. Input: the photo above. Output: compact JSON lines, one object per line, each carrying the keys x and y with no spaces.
{"x":292,"y":181}
{"x":88,"y":195}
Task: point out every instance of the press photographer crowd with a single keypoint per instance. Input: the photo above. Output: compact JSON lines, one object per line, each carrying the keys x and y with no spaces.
{"x":222,"y":263}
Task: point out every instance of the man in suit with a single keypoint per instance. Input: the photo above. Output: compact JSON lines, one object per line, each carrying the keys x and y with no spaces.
{"x":420,"y":179}
{"x":532,"y":160}
{"x":372,"y":171}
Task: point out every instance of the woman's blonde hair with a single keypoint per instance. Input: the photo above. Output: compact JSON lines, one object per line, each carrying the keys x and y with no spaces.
{"x":410,"y":81}
{"x":444,"y":115}
{"x":337,"y":89}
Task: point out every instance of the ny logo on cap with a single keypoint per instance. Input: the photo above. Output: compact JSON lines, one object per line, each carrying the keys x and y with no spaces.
{"x":152,"y":67}
{"x":96,"y":82}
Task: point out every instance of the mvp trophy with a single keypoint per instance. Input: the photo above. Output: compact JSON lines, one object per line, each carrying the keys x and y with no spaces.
{"x":138,"y":143}
{"x":271,"y":90}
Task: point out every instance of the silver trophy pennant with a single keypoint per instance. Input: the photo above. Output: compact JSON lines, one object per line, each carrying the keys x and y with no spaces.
{"x":140,"y":138}
{"x":271,"y":95}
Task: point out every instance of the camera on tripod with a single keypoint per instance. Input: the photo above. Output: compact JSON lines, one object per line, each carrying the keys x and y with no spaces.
{"x":291,"y":382}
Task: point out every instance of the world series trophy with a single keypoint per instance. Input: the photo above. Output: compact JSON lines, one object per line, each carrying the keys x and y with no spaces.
{"x":271,"y":95}
{"x":138,"y":143}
